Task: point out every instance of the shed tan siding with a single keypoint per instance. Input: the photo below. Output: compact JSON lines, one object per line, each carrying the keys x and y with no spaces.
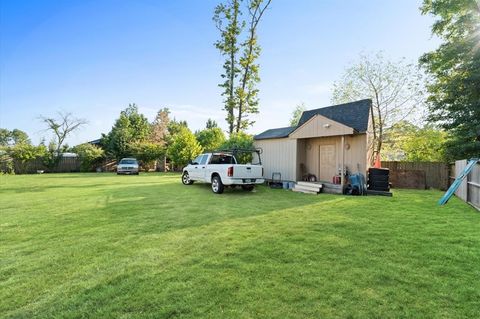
{"x":355,"y":155}
{"x":279,"y":155}
{"x":321,"y":126}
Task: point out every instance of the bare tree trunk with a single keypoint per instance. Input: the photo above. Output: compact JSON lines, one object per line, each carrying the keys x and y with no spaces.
{"x":231,"y":115}
{"x":244,"y":83}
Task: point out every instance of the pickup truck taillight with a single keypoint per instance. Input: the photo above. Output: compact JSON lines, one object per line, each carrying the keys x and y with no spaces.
{"x":230,"y":171}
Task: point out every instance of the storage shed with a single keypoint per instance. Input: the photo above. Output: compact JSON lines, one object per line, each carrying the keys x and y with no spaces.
{"x":326,"y":143}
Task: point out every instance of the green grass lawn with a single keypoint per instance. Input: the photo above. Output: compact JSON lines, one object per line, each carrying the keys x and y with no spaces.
{"x":107,"y":246}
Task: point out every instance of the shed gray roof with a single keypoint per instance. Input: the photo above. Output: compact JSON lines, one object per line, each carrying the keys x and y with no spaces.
{"x":353,"y":114}
{"x":275,"y":133}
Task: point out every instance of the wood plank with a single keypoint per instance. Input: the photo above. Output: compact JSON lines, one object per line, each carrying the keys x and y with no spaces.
{"x":307,"y":188}
{"x":304,"y":191}
{"x":318,"y":185}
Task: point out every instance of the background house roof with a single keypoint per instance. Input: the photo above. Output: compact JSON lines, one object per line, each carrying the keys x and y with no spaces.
{"x":353,"y":114}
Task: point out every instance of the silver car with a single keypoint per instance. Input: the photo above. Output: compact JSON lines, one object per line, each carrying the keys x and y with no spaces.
{"x":127,"y":166}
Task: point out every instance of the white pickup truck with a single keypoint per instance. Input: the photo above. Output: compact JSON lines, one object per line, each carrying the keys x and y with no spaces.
{"x":222,"y":169}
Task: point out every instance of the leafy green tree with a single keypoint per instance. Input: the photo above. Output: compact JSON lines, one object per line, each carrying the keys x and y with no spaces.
{"x":395,"y":88}
{"x":184,"y":147}
{"x":52,"y":155}
{"x":89,"y":155}
{"x":211,"y":123}
{"x":454,"y":69}
{"x":159,"y":134}
{"x":129,"y":128}
{"x":297,"y":114}
{"x":20,"y":137}
{"x":241,"y":74}
{"x":407,"y":142}
{"x":13,"y":137}
{"x":4,"y":137}
{"x":211,"y":138}
{"x":247,"y":92}
{"x":427,"y":145}
{"x":147,"y":153}
{"x":175,"y":126}
{"x":241,"y":141}
{"x":229,"y":23}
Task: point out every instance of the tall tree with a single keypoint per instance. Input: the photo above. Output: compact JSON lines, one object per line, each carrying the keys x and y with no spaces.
{"x":61,"y":126}
{"x":184,"y":147}
{"x":129,"y":128}
{"x":241,"y":74}
{"x":174,"y":127}
{"x":210,"y":138}
{"x":297,"y":114}
{"x":247,"y":92}
{"x":160,"y":127}
{"x":405,"y":141}
{"x":13,"y":137}
{"x":19,"y":137}
{"x":228,"y":21}
{"x":4,"y":137}
{"x":395,"y":88}
{"x":211,"y":123}
{"x":454,"y":88}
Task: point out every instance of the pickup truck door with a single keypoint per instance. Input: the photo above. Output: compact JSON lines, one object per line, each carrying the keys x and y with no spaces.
{"x":194,"y":172}
{"x":203,"y":168}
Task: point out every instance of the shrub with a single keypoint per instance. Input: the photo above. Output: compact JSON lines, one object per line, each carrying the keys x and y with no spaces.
{"x":147,"y":153}
{"x":89,"y":156}
{"x":25,"y":154}
{"x":6,"y":162}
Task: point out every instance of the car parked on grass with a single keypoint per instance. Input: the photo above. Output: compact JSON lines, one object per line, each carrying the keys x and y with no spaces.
{"x":225,"y":169}
{"x":128,"y":166}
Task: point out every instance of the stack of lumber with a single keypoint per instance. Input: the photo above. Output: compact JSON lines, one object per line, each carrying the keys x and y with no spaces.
{"x":307,"y":187}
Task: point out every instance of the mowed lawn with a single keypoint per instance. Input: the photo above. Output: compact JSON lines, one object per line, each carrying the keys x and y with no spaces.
{"x":107,"y":246}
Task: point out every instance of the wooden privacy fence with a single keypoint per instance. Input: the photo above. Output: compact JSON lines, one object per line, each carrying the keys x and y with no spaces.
{"x":418,"y":174}
{"x":66,"y":165}
{"x":469,"y":190}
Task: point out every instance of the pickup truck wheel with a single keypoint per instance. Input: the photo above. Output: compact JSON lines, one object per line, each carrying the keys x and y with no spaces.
{"x":217,"y":185}
{"x":186,"y":179}
{"x":248,"y":188}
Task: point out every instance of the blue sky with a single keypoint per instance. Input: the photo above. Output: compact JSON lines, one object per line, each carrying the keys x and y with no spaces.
{"x":93,"y":58}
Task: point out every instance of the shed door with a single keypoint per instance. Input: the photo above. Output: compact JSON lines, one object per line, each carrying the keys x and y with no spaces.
{"x":327,"y":162}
